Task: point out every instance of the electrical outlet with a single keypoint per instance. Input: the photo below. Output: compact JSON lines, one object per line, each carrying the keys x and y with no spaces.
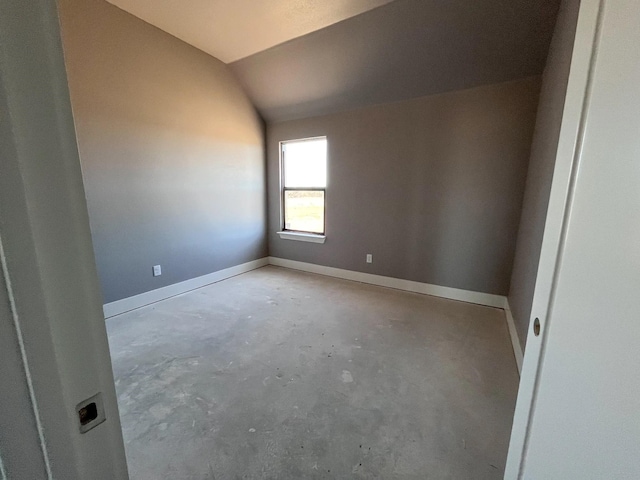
{"x":369,"y":258}
{"x":157,"y":270}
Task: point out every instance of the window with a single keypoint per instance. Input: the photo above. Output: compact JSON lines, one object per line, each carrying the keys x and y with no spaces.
{"x":304,"y":183}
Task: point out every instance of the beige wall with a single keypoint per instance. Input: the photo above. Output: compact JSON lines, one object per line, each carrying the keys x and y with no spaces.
{"x":171,"y":149}
{"x":432,"y":187}
{"x":543,"y":157}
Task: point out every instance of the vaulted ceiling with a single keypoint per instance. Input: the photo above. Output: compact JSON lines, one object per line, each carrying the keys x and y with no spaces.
{"x":233,"y":29}
{"x":301,"y":58}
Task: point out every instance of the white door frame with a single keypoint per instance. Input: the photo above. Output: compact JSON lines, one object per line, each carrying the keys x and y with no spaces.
{"x":558,"y":212}
{"x":50,"y":301}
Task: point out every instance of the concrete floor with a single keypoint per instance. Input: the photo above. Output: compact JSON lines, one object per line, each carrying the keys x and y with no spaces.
{"x":278,"y":374}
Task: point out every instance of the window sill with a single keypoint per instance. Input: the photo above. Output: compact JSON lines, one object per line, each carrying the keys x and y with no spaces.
{"x":302,"y":237}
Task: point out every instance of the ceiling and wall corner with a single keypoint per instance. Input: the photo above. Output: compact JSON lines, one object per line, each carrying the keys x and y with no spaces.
{"x":233,"y":29}
{"x":405,"y":49}
{"x":330,"y":56}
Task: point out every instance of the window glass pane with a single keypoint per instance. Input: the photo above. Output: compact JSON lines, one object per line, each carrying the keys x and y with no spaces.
{"x":304,"y":210}
{"x":305,"y":163}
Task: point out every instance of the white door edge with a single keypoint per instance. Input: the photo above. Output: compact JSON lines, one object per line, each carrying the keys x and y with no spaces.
{"x":567,"y":160}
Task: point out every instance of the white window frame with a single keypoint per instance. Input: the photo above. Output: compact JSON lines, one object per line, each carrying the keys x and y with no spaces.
{"x":295,"y":234}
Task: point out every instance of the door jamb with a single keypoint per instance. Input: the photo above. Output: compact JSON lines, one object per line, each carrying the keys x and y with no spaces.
{"x":560,"y":200}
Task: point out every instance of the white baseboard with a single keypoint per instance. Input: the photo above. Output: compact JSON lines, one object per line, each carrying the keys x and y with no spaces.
{"x":468,"y":296}
{"x":479,"y":298}
{"x":513,"y":333}
{"x":137,"y":301}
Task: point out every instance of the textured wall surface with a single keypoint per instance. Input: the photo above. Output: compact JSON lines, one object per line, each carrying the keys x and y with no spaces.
{"x":431,"y":187}
{"x":172,"y":152}
{"x":543,"y":159}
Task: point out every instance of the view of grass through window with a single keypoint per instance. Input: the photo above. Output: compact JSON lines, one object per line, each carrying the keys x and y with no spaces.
{"x":304,"y":210}
{"x":304,"y":168}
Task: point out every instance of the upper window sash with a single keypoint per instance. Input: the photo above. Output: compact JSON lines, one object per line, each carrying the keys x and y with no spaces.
{"x":304,"y":163}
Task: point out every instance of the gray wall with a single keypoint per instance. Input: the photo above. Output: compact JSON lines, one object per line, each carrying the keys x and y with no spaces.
{"x":172,"y":152}
{"x":543,"y":157}
{"x":431,"y":187}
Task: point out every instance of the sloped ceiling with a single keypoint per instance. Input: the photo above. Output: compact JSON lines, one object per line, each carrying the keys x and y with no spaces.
{"x":402,"y":49}
{"x":233,"y":29}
